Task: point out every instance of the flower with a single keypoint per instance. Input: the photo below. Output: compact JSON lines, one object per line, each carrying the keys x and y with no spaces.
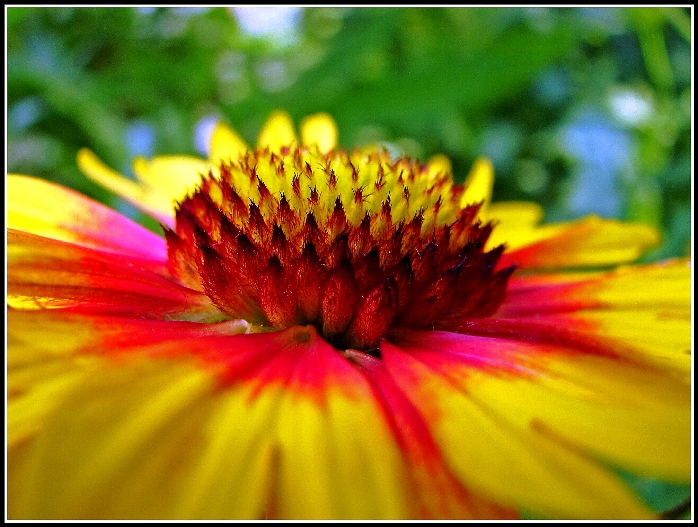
{"x":332,"y":334}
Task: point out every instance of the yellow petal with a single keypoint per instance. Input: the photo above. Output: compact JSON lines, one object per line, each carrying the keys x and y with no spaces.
{"x":638,"y":306}
{"x":95,"y":169}
{"x":170,"y":178}
{"x":38,"y":337}
{"x":514,"y":213}
{"x":489,"y":428}
{"x":278,"y":131}
{"x":478,"y":185}
{"x":37,"y":387}
{"x":47,"y":356}
{"x":337,"y":462}
{"x":319,"y":129}
{"x":158,"y":206}
{"x":226,"y":144}
{"x":633,"y":417}
{"x":303,"y":437}
{"x":438,"y":164}
{"x":44,"y":337}
{"x":31,"y":207}
{"x":664,"y":284}
{"x":516,"y":224}
{"x":588,"y":242}
{"x":136,"y":437}
{"x":113,"y":445}
{"x":661,"y":337}
{"x":566,"y":424}
{"x":513,"y":237}
{"x":334,"y":455}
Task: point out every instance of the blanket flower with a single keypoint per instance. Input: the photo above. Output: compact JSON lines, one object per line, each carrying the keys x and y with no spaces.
{"x":323,"y":333}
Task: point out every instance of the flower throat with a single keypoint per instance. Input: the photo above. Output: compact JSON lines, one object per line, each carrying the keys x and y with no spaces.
{"x":353,"y":244}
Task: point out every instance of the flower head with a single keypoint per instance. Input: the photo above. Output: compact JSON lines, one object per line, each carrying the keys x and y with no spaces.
{"x":382,"y":244}
{"x":329,"y":334}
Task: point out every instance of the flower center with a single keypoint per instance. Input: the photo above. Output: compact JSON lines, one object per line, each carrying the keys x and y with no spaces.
{"x":352,"y":243}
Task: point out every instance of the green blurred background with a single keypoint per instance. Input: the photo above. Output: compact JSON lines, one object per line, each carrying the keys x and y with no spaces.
{"x":584,"y":110}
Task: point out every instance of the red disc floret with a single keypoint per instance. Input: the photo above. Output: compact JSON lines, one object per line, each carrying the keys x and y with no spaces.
{"x":280,"y":260}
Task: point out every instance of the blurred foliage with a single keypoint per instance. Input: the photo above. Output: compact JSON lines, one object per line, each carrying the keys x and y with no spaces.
{"x":584,"y":110}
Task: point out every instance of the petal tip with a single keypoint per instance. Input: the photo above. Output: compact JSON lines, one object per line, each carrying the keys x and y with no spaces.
{"x":320,"y":129}
{"x":277,"y":131}
{"x":225,"y":143}
{"x":479,"y":183}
